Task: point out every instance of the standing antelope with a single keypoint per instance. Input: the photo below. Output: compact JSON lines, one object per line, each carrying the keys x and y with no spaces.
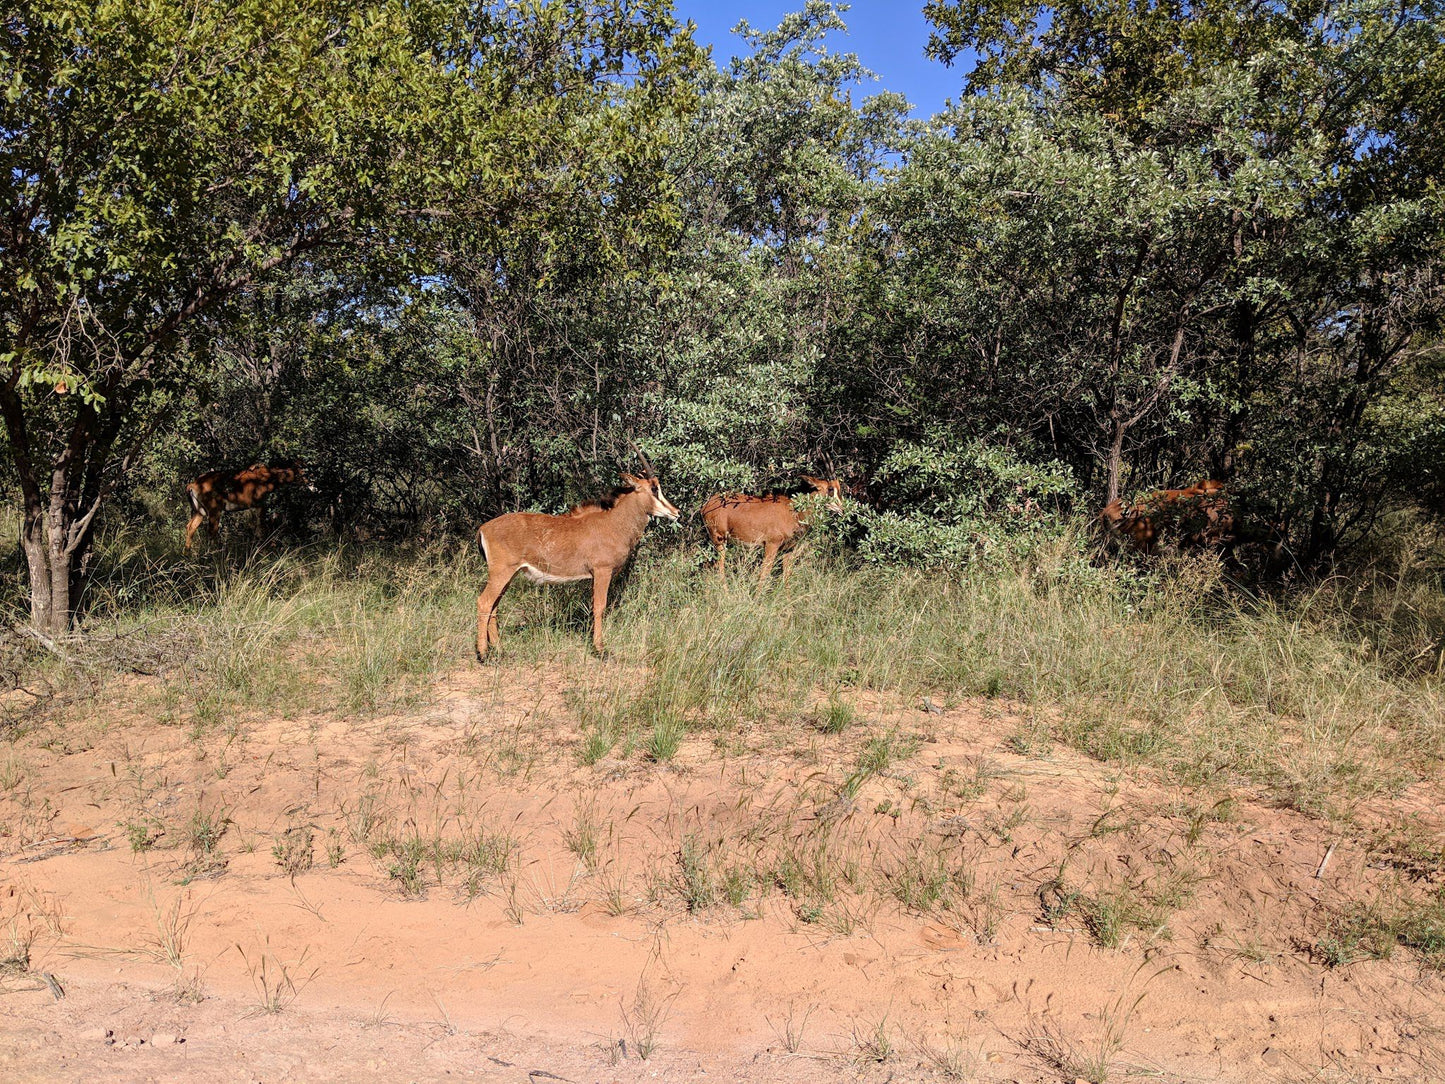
{"x":591,"y":540}
{"x":220,"y":491}
{"x":769,"y":520}
{"x":1200,"y":513}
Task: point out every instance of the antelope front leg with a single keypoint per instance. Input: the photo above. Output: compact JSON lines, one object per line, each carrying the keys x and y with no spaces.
{"x":601,"y":577}
{"x":770,"y":554}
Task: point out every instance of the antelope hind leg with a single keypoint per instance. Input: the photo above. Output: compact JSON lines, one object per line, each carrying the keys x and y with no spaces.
{"x":497,"y":581}
{"x":601,"y":577}
{"x":197,"y":518}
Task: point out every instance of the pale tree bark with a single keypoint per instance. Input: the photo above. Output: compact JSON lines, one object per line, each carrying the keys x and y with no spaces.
{"x":59,"y":517}
{"x":66,"y":474}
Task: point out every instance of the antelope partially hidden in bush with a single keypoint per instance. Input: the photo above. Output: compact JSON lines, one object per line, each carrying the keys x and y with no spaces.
{"x":220,"y":491}
{"x":591,"y":540}
{"x":769,"y":520}
{"x":1200,"y":513}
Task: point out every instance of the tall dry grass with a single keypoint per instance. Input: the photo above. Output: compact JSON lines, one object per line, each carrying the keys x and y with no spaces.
{"x":1173,"y":669}
{"x":1314,"y":698}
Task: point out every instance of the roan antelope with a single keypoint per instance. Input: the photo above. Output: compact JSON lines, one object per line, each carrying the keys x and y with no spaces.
{"x":593,"y":539}
{"x":1200,"y":514}
{"x":769,"y":521}
{"x":220,"y":491}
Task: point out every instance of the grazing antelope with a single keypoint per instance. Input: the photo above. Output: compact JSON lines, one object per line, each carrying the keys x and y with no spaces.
{"x":591,"y":540}
{"x":1116,"y":519}
{"x":770,"y":521}
{"x":220,"y":491}
{"x":1200,"y":512}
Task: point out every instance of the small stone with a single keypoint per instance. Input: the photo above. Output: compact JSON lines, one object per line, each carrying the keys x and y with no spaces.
{"x":162,"y":1039}
{"x":1270,"y":1056}
{"x":96,"y":1035}
{"x":134,"y":1040}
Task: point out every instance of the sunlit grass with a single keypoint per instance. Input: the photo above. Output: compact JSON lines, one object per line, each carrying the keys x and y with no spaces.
{"x":1167,"y":668}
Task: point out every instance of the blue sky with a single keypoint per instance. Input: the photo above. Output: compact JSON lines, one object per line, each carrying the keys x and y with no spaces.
{"x":887,"y":35}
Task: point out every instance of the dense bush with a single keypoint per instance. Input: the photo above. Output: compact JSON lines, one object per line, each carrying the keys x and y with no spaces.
{"x":1096,"y":274}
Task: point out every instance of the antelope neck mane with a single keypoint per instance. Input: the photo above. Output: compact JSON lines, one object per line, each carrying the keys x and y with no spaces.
{"x":797,"y":489}
{"x":606,"y":502}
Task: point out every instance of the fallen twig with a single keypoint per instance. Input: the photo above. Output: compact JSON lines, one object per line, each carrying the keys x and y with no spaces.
{"x":44,"y":641}
{"x":1325,"y":861}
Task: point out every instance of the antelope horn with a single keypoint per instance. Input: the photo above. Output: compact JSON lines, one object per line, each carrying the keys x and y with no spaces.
{"x":642,"y":458}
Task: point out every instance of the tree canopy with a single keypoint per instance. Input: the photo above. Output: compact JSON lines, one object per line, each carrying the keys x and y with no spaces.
{"x":456,"y":256}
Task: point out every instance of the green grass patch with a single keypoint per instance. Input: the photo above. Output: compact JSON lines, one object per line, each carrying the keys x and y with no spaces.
{"x":1167,"y":668}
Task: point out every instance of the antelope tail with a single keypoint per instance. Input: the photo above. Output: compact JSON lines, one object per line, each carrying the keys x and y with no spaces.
{"x":482,"y":544}
{"x":193,"y":492}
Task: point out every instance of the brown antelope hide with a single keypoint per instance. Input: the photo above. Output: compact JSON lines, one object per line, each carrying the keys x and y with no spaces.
{"x":769,"y":521}
{"x":591,"y":540}
{"x":1198,"y":515}
{"x":220,"y":491}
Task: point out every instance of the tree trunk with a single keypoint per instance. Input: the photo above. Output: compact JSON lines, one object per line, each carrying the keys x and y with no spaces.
{"x":59,"y":518}
{"x":1114,"y":465}
{"x":1244,"y":321}
{"x":50,"y":563}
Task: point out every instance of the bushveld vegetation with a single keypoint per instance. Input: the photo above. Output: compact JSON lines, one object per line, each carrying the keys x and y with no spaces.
{"x":1149,"y":246}
{"x":461,"y":257}
{"x":1319,"y":698}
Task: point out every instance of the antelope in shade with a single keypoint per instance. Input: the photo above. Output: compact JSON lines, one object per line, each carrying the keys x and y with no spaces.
{"x":769,"y":521}
{"x":220,"y":491}
{"x":591,"y":540}
{"x":1200,"y":512}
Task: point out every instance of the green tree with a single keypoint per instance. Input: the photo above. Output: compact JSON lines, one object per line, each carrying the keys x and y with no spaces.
{"x":159,"y":161}
{"x":774,"y":173}
{"x":1318,"y":128}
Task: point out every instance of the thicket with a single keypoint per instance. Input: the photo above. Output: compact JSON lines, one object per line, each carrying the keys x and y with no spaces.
{"x":452,"y":258}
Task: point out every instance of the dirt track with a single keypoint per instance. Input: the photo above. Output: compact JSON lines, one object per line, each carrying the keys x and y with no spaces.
{"x":567,"y":965}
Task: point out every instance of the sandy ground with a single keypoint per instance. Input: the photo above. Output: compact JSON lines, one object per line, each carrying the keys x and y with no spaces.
{"x":572,"y":963}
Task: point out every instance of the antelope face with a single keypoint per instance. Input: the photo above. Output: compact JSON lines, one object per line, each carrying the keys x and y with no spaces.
{"x":290,"y":472}
{"x":661,"y":506}
{"x":827,"y":487}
